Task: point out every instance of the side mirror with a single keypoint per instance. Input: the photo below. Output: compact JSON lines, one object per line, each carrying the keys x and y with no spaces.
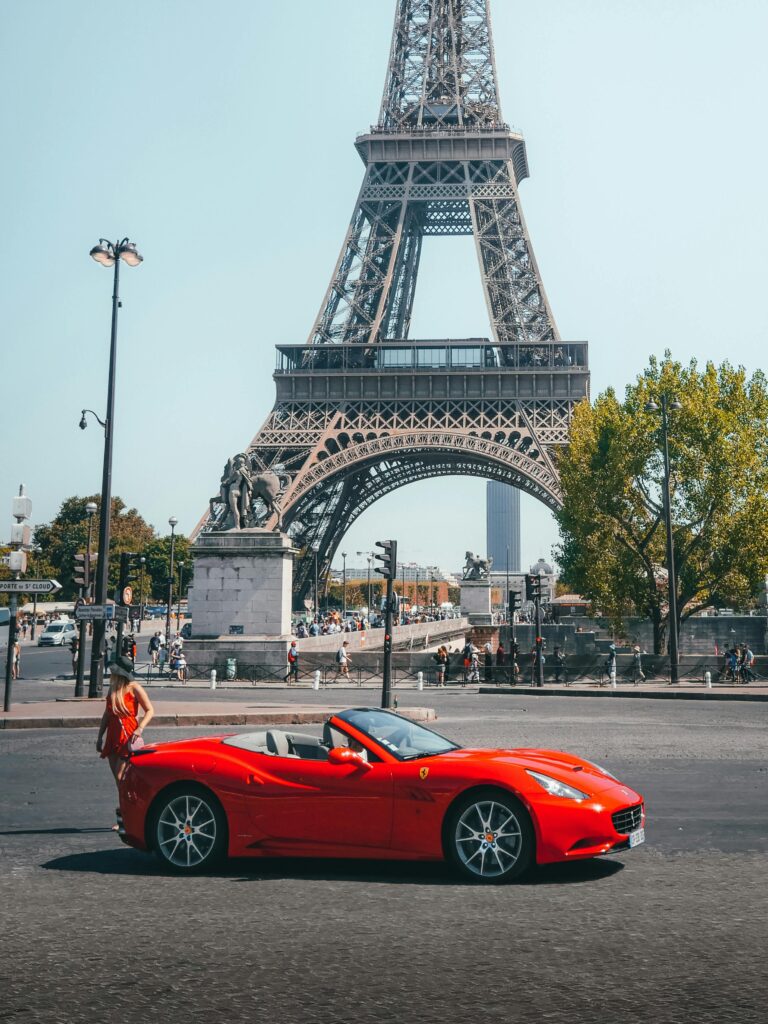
{"x":343,"y":755}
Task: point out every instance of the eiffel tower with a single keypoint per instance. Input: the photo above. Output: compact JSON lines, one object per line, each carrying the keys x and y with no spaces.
{"x":363,"y":409}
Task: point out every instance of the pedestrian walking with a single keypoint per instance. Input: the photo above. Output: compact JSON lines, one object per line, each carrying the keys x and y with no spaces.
{"x":441,"y":657}
{"x":120,"y":730}
{"x":488,"y":661}
{"x":559,"y":660}
{"x":343,"y":660}
{"x":638,"y":676}
{"x":748,"y":671}
{"x":74,"y":646}
{"x":474,"y":665}
{"x":16,"y":660}
{"x":293,"y":664}
{"x":154,"y":649}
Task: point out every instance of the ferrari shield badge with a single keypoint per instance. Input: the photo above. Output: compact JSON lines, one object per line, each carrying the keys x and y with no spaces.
{"x":423,"y":773}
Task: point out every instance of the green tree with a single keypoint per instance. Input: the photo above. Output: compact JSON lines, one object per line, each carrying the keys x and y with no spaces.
{"x":612,"y":524}
{"x":158,"y":562}
{"x":66,"y":535}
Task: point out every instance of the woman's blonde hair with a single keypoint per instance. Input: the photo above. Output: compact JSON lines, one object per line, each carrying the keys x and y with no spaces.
{"x":117,"y":687}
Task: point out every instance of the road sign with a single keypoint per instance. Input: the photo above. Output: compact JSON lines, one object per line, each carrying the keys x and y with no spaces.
{"x":102,"y":612}
{"x":29,"y":586}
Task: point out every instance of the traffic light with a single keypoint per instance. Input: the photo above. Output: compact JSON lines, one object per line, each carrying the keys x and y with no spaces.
{"x":84,"y":571}
{"x":124,"y":594}
{"x":514,"y":603}
{"x":388,"y":567}
{"x":532,"y":587}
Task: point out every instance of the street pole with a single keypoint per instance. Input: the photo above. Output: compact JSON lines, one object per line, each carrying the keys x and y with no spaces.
{"x":369,"y":588}
{"x":317,"y":604}
{"x":34,"y":599}
{"x":389,"y":561}
{"x":671,"y":576}
{"x":172,"y":523}
{"x":108,"y":255}
{"x":13,"y":605}
{"x":674,"y":658}
{"x":142,"y":563}
{"x":90,"y":509}
{"x":511,"y":605}
{"x":344,"y":586}
{"x":539,"y":641}
{"x":178,"y":599}
{"x":508,"y":603}
{"x":402,"y":609}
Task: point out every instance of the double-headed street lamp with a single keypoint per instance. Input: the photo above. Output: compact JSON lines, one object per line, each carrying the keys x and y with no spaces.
{"x":108,"y":254}
{"x":665,"y":406}
{"x":315,"y":549}
{"x":172,"y":522}
{"x":344,"y":585}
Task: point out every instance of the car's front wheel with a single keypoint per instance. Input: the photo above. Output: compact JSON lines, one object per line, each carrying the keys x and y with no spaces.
{"x":189,"y":830}
{"x":489,"y":837}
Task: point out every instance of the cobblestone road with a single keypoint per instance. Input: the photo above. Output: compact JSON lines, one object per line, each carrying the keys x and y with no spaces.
{"x":672,"y":932}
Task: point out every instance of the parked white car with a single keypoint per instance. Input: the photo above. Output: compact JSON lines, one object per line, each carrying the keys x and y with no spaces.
{"x":57,"y":633}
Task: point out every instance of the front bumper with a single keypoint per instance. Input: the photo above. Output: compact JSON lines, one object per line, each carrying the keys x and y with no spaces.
{"x":571,"y":830}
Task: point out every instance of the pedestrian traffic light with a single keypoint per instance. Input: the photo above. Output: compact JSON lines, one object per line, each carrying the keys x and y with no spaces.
{"x":388,"y":567}
{"x":532,"y":587}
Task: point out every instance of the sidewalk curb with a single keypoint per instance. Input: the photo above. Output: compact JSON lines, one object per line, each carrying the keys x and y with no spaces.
{"x":534,"y":691}
{"x":207,"y":718}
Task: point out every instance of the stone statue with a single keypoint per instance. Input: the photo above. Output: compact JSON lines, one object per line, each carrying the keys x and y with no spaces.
{"x":240,"y":487}
{"x":235,"y":491}
{"x":476,"y":568}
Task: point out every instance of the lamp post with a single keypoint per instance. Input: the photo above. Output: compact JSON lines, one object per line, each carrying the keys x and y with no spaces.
{"x":507,"y":590}
{"x":666,"y":406}
{"x":370,"y":560}
{"x":178,"y":597}
{"x":172,"y":523}
{"x":142,"y":564}
{"x":344,"y":585}
{"x":90,"y":510}
{"x":315,"y":549}
{"x":35,"y":552}
{"x":108,"y":254}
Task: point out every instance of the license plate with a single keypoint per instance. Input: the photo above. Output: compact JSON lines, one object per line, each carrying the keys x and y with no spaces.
{"x":635,"y":838}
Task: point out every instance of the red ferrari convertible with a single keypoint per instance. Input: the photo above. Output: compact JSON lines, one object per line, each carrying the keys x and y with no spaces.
{"x":375,"y":785}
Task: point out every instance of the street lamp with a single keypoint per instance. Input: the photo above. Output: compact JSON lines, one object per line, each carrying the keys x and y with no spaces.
{"x":36,"y":551}
{"x":90,"y":511}
{"x":172,"y":523}
{"x":178,"y":599}
{"x":344,"y":586}
{"x":665,"y":408}
{"x":315,"y":549}
{"x":108,"y":254}
{"x":142,"y":564}
{"x":370,"y":560}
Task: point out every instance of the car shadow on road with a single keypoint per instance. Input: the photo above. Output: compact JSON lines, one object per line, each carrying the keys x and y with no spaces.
{"x":134,"y":863}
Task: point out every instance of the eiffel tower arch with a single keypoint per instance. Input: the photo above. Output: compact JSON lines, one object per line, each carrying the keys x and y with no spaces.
{"x":362,"y":409}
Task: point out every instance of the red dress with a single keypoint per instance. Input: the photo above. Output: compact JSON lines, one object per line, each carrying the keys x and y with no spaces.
{"x":121,"y":726}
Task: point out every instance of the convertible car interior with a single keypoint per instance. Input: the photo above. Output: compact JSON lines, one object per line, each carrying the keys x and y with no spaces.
{"x":281,"y":744}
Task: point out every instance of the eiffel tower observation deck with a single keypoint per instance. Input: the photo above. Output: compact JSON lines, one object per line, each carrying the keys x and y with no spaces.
{"x":362,"y":409}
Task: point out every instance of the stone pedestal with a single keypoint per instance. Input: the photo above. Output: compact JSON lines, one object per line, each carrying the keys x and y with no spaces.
{"x":476,"y":602}
{"x":243,"y":585}
{"x":240,"y":603}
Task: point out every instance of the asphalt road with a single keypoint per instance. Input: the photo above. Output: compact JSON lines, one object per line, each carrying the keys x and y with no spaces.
{"x":672,"y":932}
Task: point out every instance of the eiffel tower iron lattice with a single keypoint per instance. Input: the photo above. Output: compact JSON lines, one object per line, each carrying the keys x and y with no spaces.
{"x":361,"y":409}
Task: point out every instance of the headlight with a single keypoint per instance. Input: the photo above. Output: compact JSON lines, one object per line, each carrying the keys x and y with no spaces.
{"x":555,"y":788}
{"x":603,"y":770}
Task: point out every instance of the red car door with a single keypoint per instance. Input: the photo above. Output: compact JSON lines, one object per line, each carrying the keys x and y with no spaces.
{"x":322,"y":804}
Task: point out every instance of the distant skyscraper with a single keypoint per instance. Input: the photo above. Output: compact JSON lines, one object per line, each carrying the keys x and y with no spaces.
{"x":503,"y":525}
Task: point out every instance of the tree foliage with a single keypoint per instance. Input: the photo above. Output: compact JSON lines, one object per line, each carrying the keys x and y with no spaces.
{"x":67,"y":534}
{"x":612,"y":520}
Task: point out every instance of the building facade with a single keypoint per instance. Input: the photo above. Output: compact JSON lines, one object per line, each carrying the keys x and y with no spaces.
{"x":502,"y":517}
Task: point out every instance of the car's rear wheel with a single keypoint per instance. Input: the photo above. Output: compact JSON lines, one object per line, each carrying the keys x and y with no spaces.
{"x":189,"y":830}
{"x":489,"y":837}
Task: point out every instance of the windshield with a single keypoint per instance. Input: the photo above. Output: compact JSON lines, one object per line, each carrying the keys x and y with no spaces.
{"x":54,"y":629}
{"x":401,"y":737}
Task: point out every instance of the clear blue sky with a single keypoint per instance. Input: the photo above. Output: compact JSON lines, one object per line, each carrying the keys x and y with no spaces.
{"x":220,"y":138}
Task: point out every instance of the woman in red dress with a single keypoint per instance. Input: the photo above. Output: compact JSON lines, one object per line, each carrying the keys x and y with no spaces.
{"x":120,"y":726}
